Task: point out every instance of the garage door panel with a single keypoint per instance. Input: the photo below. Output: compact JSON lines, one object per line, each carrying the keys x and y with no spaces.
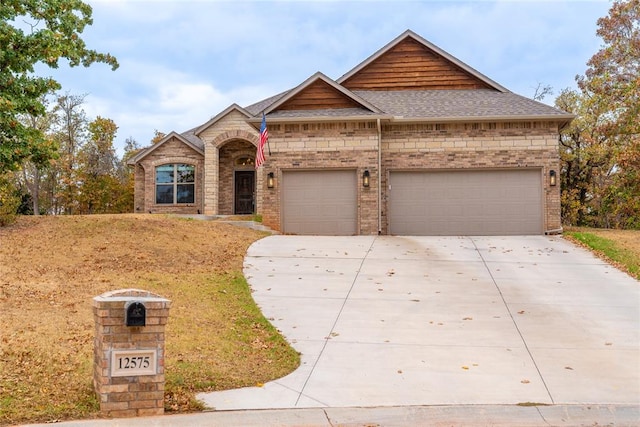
{"x":320,"y":202}
{"x":465,"y":202}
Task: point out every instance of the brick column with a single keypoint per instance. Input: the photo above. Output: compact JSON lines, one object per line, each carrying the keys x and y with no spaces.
{"x":128,"y":373}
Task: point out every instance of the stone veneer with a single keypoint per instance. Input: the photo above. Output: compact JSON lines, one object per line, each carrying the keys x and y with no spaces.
{"x":354,"y":145}
{"x":409,"y":147}
{"x":341,"y":145}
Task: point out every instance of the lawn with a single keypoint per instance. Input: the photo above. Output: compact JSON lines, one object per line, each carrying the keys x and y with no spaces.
{"x":52,"y":267}
{"x":620,"y":247}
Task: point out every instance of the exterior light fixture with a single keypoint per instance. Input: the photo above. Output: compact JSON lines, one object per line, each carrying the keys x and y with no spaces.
{"x":552,"y":178}
{"x":365,"y":178}
{"x":270,"y":180}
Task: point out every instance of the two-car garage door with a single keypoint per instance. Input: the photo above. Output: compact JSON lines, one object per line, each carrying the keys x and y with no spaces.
{"x":491,"y":202}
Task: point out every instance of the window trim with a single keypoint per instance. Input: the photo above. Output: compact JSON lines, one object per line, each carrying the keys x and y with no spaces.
{"x":174,"y":184}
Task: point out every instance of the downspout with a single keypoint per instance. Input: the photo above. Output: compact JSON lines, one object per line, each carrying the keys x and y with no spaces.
{"x":379,"y":177}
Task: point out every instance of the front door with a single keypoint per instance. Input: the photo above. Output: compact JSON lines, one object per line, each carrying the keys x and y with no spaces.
{"x":244,"y":189}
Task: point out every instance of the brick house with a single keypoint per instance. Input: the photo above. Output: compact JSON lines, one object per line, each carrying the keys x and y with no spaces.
{"x":411,"y":142}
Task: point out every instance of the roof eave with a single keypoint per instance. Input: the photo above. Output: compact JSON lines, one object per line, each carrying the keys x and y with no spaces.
{"x":352,"y":118}
{"x":503,"y":118}
{"x":146,"y":151}
{"x":220,"y":115}
{"x":320,"y":76}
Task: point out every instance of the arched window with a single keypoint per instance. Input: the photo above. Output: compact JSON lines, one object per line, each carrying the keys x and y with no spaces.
{"x":245,"y":161}
{"x":175,"y":184}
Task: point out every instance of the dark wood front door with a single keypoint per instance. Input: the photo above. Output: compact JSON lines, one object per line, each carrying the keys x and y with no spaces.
{"x":245,"y":186}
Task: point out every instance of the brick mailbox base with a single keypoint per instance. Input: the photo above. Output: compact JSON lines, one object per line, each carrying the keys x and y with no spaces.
{"x":128,"y":372}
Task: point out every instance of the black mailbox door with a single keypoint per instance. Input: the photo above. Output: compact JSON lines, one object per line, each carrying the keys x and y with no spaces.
{"x":135,"y":314}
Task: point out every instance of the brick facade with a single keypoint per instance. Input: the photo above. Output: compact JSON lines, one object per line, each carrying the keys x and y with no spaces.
{"x":172,"y":151}
{"x":509,"y":145}
{"x":354,"y":145}
{"x":408,"y":107}
{"x":322,"y":146}
{"x":228,"y":156}
{"x":136,"y":395}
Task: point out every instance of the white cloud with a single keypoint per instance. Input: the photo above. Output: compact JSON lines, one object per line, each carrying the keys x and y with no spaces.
{"x":183,"y":62}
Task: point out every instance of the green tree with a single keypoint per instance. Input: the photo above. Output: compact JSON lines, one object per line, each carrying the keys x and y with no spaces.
{"x":586,"y":159}
{"x":9,"y":200}
{"x":98,"y":186}
{"x":613,"y":79}
{"x":70,"y":135}
{"x":31,"y":176}
{"x":613,"y":73}
{"x":36,"y":32}
{"x":600,"y":150}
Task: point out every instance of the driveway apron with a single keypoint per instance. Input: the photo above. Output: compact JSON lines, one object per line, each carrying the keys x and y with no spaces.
{"x":394,"y":321}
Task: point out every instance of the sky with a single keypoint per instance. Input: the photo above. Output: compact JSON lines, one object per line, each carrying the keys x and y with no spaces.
{"x":183,"y":62}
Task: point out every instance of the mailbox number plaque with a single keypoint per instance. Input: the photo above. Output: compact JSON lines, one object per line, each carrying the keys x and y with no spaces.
{"x":125,"y":363}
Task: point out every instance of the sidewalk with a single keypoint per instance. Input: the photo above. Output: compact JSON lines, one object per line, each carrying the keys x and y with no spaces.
{"x":405,"y":416}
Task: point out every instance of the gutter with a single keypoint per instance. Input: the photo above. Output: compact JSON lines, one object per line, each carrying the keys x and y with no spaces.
{"x":379,"y":177}
{"x":467,"y":119}
{"x":565,"y":118}
{"x":279,"y":120}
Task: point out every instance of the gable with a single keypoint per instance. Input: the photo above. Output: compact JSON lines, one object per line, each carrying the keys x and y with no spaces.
{"x":318,"y":95}
{"x":411,"y":65}
{"x":172,"y":142}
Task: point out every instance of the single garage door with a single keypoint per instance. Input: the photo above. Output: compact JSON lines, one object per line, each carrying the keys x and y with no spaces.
{"x":320,"y":202}
{"x":504,"y":202}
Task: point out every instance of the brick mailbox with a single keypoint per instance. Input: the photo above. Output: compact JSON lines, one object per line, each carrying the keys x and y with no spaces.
{"x":128,"y":371}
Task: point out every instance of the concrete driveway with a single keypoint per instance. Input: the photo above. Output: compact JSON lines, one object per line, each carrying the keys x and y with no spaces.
{"x":396,"y":321}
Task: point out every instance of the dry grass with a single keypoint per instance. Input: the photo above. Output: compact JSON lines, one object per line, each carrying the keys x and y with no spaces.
{"x":51,"y":268}
{"x":620,"y":247}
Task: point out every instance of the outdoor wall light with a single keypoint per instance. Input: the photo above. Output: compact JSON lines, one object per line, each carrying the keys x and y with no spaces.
{"x":271,"y":180}
{"x":552,"y":178}
{"x":365,"y":178}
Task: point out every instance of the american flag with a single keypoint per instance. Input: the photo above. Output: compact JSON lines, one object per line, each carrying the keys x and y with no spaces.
{"x":264,"y":137}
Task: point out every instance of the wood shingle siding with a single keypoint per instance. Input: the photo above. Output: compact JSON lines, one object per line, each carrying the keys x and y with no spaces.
{"x":317,"y":96}
{"x":411,"y":66}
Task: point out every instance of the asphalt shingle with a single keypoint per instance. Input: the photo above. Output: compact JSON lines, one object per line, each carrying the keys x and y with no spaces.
{"x":467,"y":104}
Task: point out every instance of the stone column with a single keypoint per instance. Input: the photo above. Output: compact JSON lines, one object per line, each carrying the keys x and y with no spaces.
{"x":128,"y":373}
{"x":211,"y":179}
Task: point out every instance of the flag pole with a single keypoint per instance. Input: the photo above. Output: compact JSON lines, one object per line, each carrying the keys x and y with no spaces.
{"x":268,"y":144}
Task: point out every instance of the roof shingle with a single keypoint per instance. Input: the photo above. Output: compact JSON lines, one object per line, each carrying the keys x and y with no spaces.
{"x":462,"y":104}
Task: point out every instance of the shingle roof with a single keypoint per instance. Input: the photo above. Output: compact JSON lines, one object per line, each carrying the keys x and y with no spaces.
{"x":461,"y":104}
{"x":192,"y":138}
{"x":260,"y":106}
